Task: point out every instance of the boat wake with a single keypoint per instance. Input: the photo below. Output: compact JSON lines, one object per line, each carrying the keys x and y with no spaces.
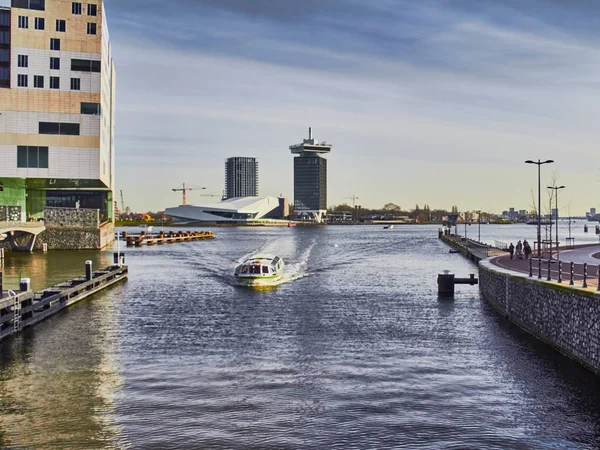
{"x":295,"y":268}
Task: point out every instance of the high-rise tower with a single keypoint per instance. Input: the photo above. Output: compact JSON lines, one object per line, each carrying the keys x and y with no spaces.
{"x":57,"y":85}
{"x":241,"y":177}
{"x":310,"y":177}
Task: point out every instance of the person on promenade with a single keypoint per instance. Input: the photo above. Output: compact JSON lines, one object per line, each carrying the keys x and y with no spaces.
{"x":511,"y":250}
{"x":526,"y":248}
{"x":519,"y":250}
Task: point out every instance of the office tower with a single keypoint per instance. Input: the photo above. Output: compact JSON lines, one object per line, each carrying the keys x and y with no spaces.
{"x":241,"y":177}
{"x":310,"y":177}
{"x":57,"y":84}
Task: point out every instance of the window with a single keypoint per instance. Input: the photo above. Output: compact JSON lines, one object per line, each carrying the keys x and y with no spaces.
{"x":40,"y":23}
{"x":23,"y":61}
{"x":54,"y":44}
{"x":23,"y":22}
{"x":54,"y":63}
{"x":65,"y":129}
{"x":76,"y":8}
{"x":4,"y":37}
{"x":38,"y":81}
{"x":75,"y":84}
{"x":32,"y":157}
{"x":90,"y":108}
{"x":85,"y":65}
{"x":61,"y":25}
{"x":4,"y":55}
{"x":91,"y":28}
{"x":92,"y":10}
{"x":22,"y":81}
{"x":265,"y":269}
{"x":54,"y":83}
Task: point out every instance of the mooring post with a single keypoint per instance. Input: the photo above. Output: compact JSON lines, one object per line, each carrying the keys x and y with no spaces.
{"x":540,"y":267}
{"x":446,"y":284}
{"x":45,"y":248}
{"x":549,"y":277}
{"x":571,"y":282}
{"x":25,"y":284}
{"x":88,"y":270}
{"x":559,"y":272}
{"x":585,"y":275}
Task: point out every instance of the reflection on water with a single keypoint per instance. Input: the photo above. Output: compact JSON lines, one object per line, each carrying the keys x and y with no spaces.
{"x":58,"y":379}
{"x":357,"y":353}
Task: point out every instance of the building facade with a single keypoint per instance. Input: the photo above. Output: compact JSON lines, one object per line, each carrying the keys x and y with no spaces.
{"x":57,"y":102}
{"x":310,"y":177}
{"x":241,"y":177}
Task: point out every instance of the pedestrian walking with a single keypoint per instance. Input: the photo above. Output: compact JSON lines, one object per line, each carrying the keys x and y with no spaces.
{"x":511,"y":250}
{"x":519,"y":250}
{"x":526,"y":248}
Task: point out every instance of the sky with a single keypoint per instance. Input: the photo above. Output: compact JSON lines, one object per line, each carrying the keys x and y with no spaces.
{"x":434,"y":102}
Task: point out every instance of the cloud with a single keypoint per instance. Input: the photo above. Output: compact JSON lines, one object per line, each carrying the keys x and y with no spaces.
{"x":398,"y":86}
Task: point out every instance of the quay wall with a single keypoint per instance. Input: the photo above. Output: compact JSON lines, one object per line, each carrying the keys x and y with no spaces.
{"x":565,"y":317}
{"x":72,"y":217}
{"x":77,"y":238}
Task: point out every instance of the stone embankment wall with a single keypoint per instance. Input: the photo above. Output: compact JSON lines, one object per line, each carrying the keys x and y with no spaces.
{"x":568,"y":318}
{"x":72,"y":217}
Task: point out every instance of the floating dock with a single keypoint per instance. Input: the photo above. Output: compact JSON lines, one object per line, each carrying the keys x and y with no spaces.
{"x":165,"y":238}
{"x":25,"y":308}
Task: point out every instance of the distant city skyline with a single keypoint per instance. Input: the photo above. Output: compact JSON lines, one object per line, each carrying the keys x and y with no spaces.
{"x":428,"y":102}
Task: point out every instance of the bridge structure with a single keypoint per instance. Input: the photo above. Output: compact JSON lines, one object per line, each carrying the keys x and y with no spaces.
{"x":10,"y":231}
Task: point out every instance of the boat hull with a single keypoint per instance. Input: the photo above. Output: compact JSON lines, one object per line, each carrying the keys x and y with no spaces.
{"x":258,"y":282}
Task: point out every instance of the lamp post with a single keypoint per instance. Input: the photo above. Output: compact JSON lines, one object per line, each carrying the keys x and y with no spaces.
{"x":539,"y":221}
{"x":479,"y":225}
{"x":556,"y":189}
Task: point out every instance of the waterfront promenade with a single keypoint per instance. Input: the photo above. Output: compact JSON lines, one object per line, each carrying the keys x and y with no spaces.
{"x":578,"y":256}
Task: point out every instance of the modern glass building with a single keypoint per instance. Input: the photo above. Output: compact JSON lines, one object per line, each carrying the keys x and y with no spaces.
{"x":241,"y":177}
{"x":310,"y":177}
{"x":57,"y":102}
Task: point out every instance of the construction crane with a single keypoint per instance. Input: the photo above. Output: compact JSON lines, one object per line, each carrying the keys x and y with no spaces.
{"x":354,"y":198}
{"x":184,"y":190}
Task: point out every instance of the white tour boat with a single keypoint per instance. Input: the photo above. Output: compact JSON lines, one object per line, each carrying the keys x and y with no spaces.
{"x":260,"y":270}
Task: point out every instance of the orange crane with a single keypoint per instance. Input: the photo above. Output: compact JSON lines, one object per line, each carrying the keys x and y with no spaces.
{"x":184,"y":191}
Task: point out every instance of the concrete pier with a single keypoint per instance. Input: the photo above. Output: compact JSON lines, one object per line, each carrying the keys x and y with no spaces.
{"x":166,"y":237}
{"x":23,"y":308}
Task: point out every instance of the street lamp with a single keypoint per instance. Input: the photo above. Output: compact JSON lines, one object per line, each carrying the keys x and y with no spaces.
{"x":539,"y":224}
{"x":556,"y":189}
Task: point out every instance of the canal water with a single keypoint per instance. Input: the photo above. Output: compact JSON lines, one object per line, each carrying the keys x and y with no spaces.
{"x":353,"y":351}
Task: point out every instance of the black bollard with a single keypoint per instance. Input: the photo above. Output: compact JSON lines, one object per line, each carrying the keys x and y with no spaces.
{"x":1,"y":287}
{"x":549,"y":277}
{"x":25,"y":284}
{"x":88,"y":270}
{"x":585,"y":275}
{"x":530,"y":267}
{"x":571,"y":282}
{"x":540,"y":267}
{"x":446,"y":284}
{"x":559,"y":272}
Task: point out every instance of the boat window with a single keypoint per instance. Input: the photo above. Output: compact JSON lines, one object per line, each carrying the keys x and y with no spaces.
{"x":276,"y":259}
{"x":244,"y":269}
{"x":265,"y":269}
{"x":237,"y":270}
{"x":255,"y":270}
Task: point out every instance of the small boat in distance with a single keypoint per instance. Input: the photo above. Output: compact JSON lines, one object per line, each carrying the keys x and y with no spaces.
{"x":388,"y":227}
{"x":260,"y":271}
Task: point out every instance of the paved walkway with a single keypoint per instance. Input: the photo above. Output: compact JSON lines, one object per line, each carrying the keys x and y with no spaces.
{"x":578,"y":256}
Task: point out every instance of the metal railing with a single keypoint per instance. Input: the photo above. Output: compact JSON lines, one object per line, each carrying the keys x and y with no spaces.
{"x":573,"y":276}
